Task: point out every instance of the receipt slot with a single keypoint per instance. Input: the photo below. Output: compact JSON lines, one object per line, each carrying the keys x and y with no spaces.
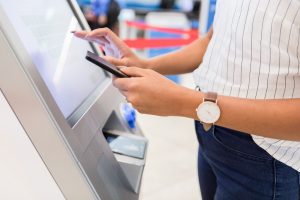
{"x":63,"y":107}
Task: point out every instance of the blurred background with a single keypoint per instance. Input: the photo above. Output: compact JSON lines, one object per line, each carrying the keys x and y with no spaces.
{"x":152,"y":28}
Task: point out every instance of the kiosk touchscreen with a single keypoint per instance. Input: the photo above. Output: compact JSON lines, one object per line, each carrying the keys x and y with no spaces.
{"x":64,"y":102}
{"x":44,"y":28}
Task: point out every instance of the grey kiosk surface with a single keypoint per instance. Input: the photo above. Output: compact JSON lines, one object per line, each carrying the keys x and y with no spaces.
{"x":57,"y":109}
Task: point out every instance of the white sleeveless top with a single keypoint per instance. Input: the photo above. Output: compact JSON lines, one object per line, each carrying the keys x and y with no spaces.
{"x":255,"y":53}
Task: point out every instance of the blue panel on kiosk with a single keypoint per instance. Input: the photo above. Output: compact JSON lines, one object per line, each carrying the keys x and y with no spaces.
{"x":160,"y":51}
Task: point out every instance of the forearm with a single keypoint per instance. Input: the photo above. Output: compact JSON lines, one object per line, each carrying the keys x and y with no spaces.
{"x":269,"y":118}
{"x":182,"y":61}
{"x":279,"y":119}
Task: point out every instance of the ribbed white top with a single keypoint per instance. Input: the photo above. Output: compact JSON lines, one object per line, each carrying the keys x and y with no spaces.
{"x":255,"y":54}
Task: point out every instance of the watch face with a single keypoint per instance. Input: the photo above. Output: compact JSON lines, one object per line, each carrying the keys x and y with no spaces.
{"x":208,"y":112}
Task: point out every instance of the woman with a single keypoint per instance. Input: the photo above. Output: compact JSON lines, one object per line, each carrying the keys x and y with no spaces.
{"x":247,"y":72}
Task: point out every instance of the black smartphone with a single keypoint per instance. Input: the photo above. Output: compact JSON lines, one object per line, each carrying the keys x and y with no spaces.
{"x":94,"y":58}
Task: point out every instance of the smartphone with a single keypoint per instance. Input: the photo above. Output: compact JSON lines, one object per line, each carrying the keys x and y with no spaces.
{"x":94,"y":58}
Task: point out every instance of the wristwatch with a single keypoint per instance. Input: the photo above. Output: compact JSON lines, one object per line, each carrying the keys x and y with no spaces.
{"x":208,"y":111}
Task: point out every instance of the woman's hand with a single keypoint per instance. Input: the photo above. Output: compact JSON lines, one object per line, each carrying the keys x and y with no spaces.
{"x":151,"y":93}
{"x":117,"y":52}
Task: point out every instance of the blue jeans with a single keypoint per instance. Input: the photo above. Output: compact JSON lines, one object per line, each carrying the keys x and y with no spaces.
{"x":231,"y":166}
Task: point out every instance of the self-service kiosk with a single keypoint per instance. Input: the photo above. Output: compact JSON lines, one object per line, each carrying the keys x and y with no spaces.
{"x":62,"y":131}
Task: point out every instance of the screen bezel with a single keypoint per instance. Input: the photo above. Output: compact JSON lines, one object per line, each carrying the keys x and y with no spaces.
{"x":79,"y":112}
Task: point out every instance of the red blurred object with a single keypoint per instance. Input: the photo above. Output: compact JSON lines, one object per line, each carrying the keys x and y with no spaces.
{"x":188,"y":37}
{"x":157,"y":43}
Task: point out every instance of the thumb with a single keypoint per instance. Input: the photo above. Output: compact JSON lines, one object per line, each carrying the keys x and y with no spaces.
{"x":133,"y":71}
{"x":114,"y":61}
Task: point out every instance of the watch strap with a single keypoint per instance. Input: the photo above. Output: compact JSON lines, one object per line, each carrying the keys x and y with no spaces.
{"x":210,"y":96}
{"x":206,"y":127}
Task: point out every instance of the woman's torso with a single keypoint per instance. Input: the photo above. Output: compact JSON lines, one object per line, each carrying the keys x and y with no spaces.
{"x":255,"y":54}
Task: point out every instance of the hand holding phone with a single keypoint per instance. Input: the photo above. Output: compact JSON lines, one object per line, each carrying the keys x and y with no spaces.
{"x":105,"y":65}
